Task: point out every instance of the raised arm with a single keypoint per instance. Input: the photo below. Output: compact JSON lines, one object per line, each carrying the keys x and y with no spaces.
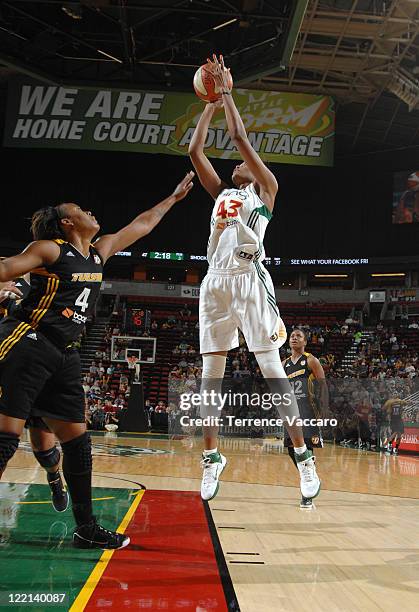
{"x":142,"y":225}
{"x":37,"y":254}
{"x":263,"y":176}
{"x":208,"y":177}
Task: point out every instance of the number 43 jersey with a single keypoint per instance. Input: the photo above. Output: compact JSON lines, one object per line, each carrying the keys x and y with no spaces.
{"x":63,"y":295}
{"x":238,"y":224}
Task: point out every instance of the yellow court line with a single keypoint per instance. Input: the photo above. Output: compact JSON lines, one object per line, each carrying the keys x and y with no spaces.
{"x":50,"y":502}
{"x":91,"y":583}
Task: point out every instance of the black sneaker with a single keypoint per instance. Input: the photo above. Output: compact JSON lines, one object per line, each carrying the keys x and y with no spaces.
{"x":306,"y":503}
{"x":58,"y":493}
{"x":93,"y":535}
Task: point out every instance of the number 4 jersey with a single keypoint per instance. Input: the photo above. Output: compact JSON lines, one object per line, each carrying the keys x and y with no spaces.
{"x":63,"y":295}
{"x":238,"y":224}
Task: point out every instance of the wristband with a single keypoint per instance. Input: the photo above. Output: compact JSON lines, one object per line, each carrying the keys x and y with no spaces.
{"x":226,"y":93}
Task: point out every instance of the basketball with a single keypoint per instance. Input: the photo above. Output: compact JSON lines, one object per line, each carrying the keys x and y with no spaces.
{"x":205,"y":86}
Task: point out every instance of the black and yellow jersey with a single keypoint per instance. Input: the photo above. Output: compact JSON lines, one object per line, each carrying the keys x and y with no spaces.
{"x":62,"y":296}
{"x":302,"y":381}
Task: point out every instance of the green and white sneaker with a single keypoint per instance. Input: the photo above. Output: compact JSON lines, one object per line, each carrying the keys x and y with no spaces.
{"x":213,"y":465}
{"x":309,"y":481}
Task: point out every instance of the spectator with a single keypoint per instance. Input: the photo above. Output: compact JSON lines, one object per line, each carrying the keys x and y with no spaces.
{"x":93,"y":368}
{"x":161,"y":406}
{"x":185,"y":311}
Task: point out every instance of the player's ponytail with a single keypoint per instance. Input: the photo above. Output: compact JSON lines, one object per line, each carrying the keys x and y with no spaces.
{"x":46,"y":224}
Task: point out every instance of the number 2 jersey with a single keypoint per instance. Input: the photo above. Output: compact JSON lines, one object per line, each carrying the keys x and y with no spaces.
{"x":302,"y":381}
{"x":62,"y":295}
{"x":238,"y":223}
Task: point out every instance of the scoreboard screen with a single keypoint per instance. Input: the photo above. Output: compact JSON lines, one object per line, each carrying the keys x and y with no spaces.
{"x":166,"y":256}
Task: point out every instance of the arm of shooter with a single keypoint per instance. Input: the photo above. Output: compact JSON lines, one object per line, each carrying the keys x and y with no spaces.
{"x":208,"y":177}
{"x":143,"y":224}
{"x":264,"y":177}
{"x":37,"y":254}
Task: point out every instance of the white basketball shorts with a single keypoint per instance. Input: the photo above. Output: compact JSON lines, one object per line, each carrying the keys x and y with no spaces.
{"x":231,"y":299}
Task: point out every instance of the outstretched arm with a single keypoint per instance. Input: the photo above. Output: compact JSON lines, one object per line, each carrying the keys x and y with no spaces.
{"x":142,"y":225}
{"x":37,"y":254}
{"x":208,"y":177}
{"x":264,"y":177}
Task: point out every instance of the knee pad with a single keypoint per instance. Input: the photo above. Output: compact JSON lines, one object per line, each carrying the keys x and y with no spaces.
{"x":77,"y":455}
{"x":270,"y":364}
{"x":48,"y":458}
{"x":213,"y":366}
{"x":8,"y":447}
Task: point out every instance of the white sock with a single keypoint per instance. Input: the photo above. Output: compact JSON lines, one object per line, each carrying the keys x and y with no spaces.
{"x":210,"y":451}
{"x":299,"y":450}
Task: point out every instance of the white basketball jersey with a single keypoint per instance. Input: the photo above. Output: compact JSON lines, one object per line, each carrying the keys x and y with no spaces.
{"x":238,"y":224}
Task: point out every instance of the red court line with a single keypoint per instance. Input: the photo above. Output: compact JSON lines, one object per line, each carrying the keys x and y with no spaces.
{"x":170,"y":564}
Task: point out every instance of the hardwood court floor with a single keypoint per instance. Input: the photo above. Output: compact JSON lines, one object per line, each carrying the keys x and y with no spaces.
{"x":358,"y":550}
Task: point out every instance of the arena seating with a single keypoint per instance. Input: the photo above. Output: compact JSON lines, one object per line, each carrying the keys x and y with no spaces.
{"x":156,"y":376}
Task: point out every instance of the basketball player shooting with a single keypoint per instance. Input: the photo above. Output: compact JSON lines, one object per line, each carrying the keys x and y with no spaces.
{"x":237,"y":291}
{"x":40,"y":373}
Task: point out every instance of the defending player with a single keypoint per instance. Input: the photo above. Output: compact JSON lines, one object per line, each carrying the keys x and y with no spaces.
{"x":39,"y":374}
{"x":303,"y":369}
{"x":41,"y":438}
{"x":238,"y":291}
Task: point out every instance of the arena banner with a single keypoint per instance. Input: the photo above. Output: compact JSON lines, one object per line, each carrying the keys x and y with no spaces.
{"x":283,"y":127}
{"x":189,"y":291}
{"x":410,"y":439}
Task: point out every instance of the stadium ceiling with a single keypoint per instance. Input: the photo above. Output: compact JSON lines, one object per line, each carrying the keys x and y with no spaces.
{"x":365,"y":53}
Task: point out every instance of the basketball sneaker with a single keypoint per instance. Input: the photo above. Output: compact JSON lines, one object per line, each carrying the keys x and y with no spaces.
{"x":309,"y":481}
{"x":58,"y":494}
{"x":306,"y":503}
{"x":212,"y":465}
{"x":93,"y":535}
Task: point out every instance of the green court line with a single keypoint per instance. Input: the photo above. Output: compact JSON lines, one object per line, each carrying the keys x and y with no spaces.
{"x":36,"y":554}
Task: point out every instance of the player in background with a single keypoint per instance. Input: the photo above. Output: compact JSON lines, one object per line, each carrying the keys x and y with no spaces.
{"x":407,"y":210}
{"x":308,"y":381}
{"x":66,"y":275}
{"x":394,"y":409}
{"x":237,"y":292}
{"x":42,"y":440}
